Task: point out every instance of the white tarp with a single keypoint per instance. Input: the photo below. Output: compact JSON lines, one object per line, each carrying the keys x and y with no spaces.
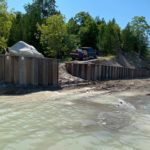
{"x":23,"y":49}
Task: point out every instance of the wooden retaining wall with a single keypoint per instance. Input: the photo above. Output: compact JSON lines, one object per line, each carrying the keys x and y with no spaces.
{"x":93,"y":72}
{"x":28,"y":71}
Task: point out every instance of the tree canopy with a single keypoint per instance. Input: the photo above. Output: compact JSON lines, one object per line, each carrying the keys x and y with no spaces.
{"x":5,"y":25}
{"x":53,"y":34}
{"x":136,"y":36}
{"x":43,"y":26}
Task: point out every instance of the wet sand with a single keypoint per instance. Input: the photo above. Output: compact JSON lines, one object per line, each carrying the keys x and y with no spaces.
{"x":141,"y":86}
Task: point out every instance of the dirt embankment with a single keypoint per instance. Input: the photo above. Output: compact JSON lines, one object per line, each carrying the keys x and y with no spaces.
{"x":122,"y":60}
{"x":129,"y":60}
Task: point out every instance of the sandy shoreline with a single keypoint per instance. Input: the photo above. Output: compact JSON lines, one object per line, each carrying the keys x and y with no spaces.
{"x":129,"y":88}
{"x":117,"y":86}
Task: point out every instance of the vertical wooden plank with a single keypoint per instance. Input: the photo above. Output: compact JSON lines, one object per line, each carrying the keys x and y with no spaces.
{"x":16,"y":70}
{"x":1,"y":70}
{"x":131,"y":73}
{"x":118,"y":73}
{"x":9,"y":69}
{"x":85,"y":71}
{"x":34,"y":73}
{"x":40,"y":72}
{"x":77,"y":70}
{"x":45,"y":72}
{"x":57,"y":67}
{"x":89,"y":72}
{"x":121,"y":72}
{"x":103,"y":73}
{"x":22,"y":71}
{"x":55,"y":70}
{"x":100,"y":72}
{"x":106,"y":72}
{"x":114,"y":72}
{"x":126,"y":73}
{"x":82,"y":71}
{"x":114,"y":76}
{"x":72,"y":68}
{"x":50,"y":71}
{"x":96,"y":73}
{"x":28,"y":70}
{"x":110,"y":72}
{"x":2,"y":67}
{"x":93,"y":72}
{"x":7,"y":60}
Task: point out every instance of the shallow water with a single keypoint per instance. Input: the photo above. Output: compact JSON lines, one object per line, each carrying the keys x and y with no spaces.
{"x":75,"y":122}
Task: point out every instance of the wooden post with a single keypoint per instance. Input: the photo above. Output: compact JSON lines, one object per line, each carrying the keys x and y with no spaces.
{"x":16,"y":70}
{"x":99,"y":72}
{"x":2,"y":68}
{"x":93,"y":72}
{"x":55,"y":69}
{"x":34,"y":74}
{"x":50,"y":71}
{"x":8,"y":69}
{"x":89,"y":72}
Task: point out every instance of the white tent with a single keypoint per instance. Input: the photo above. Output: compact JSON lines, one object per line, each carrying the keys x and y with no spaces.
{"x":23,"y":49}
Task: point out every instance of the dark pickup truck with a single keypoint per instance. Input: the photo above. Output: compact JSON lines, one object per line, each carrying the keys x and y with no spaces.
{"x":83,"y":53}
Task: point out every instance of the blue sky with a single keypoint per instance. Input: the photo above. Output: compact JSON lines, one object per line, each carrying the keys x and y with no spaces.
{"x":122,"y":10}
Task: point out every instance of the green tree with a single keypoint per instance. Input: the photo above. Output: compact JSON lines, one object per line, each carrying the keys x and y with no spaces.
{"x":17,"y":29}
{"x":135,"y":36}
{"x":3,"y":6}
{"x":109,"y":37}
{"x":72,"y":30}
{"x":54,"y":37}
{"x":84,"y":28}
{"x":25,"y":25}
{"x":5,"y":25}
{"x":129,"y":40}
{"x":87,"y":29}
{"x":100,"y":37}
{"x":30,"y":20}
{"x":48,"y":7}
{"x":141,"y":30}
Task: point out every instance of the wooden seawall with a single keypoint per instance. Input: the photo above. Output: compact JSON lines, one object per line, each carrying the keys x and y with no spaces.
{"x":28,"y":71}
{"x":97,"y":72}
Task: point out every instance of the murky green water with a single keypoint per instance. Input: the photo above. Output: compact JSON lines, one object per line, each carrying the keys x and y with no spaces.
{"x":71,"y":122}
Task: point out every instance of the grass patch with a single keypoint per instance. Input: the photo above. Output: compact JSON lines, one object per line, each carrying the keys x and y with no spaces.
{"x":107,"y":58}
